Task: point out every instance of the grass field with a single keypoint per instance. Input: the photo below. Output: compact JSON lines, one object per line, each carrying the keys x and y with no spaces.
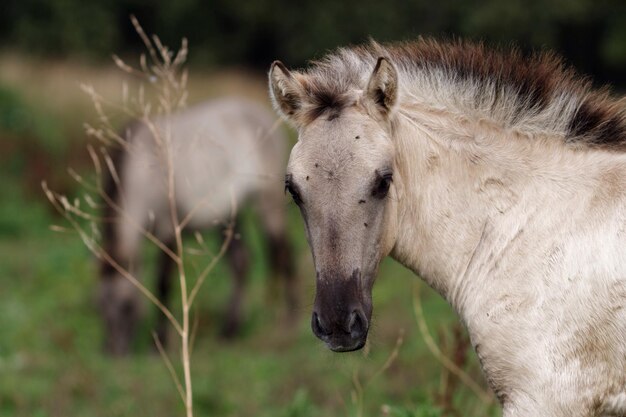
{"x":50,"y":336}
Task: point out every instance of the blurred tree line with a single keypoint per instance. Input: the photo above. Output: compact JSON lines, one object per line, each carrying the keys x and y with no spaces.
{"x":591,"y":34}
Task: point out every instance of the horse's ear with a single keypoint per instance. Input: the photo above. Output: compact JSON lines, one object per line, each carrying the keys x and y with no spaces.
{"x":382,"y":88}
{"x":286,"y":91}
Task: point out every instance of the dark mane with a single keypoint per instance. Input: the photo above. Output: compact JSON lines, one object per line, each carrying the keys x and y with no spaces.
{"x":536,"y":90}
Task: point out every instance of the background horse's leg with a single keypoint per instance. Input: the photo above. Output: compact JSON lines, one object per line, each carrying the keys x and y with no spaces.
{"x":164,"y":287}
{"x":119,"y":300}
{"x":239,"y":260}
{"x":120,"y":308}
{"x":271,"y":208}
{"x":282,"y":266}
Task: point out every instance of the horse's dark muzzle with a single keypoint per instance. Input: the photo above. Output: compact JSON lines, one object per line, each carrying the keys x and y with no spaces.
{"x":343,"y":338}
{"x":341,"y":312}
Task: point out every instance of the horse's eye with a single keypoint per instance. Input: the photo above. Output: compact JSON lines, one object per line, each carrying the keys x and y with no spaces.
{"x":295,"y":195}
{"x":382,"y":186}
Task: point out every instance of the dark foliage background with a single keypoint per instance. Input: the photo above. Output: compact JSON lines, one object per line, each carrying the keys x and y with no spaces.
{"x":591,"y":34}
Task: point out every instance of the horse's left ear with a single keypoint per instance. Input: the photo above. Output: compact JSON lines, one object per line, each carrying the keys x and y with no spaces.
{"x":285,"y":90}
{"x":382,"y":88}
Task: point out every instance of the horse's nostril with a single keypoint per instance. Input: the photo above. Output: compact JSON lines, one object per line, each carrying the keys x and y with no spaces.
{"x":357,"y":325}
{"x":318,"y":327}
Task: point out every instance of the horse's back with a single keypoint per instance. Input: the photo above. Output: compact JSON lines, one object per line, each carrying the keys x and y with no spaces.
{"x":222,"y":152}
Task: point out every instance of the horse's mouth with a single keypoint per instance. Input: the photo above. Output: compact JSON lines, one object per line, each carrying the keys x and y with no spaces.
{"x":340,"y":348}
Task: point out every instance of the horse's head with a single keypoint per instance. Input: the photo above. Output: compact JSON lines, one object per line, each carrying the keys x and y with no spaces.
{"x":341,"y":175}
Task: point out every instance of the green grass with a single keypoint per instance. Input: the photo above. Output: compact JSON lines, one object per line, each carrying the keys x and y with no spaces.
{"x":51,"y":363}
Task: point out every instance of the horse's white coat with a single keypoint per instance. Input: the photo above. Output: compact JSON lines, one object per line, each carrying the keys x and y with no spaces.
{"x":223,"y":151}
{"x":526,"y":240}
{"x":523,"y":233}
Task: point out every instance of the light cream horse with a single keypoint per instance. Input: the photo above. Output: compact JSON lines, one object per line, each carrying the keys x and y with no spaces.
{"x":222,"y":149}
{"x":499,"y":179}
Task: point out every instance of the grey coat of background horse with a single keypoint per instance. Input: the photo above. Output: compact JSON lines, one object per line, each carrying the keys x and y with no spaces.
{"x":222,"y":149}
{"x":499,"y":179}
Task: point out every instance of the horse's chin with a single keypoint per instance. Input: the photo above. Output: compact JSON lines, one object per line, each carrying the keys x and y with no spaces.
{"x":342,"y":348}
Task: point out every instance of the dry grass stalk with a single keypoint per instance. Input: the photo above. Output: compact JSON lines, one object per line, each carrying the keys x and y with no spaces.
{"x":453,"y":366}
{"x":360,"y":387}
{"x":455,"y":347}
{"x":162,"y":71}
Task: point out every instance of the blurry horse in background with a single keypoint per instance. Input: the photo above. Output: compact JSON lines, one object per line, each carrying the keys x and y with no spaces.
{"x":221,"y":150}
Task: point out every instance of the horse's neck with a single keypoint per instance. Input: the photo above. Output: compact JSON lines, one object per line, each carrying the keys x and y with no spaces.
{"x":473,"y":196}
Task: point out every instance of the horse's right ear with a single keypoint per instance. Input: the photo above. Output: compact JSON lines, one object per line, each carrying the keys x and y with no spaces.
{"x":382,"y":87}
{"x":286,"y":91}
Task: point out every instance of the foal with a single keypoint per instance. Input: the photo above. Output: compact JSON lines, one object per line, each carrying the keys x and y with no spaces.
{"x":222,"y":148}
{"x":499,"y":179}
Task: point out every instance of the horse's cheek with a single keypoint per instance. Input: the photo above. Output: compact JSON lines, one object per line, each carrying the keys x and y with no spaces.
{"x":389,"y":229}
